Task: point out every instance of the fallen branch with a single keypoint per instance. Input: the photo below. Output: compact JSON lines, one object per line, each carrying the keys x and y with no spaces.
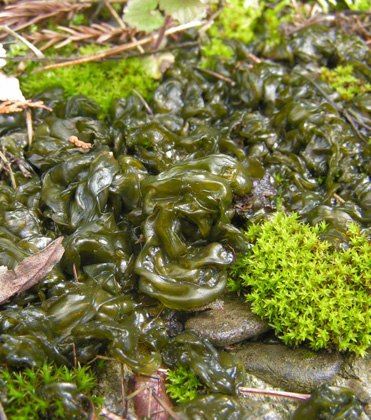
{"x":115,"y":50}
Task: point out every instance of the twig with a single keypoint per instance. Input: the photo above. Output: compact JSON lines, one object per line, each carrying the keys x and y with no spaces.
{"x":211,"y":20}
{"x":75,"y":361}
{"x":75,"y":276}
{"x":246,"y":390}
{"x":111,"y":57}
{"x":350,"y":120}
{"x":253,"y":57}
{"x":135,"y":393}
{"x":161,"y":34}
{"x":111,"y":359}
{"x":9,"y":167}
{"x":109,"y":415}
{"x":339,"y":199}
{"x":120,"y":22}
{"x":150,"y":390}
{"x":339,"y":111}
{"x":123,"y":392}
{"x":118,"y":49}
{"x":167,"y":408}
{"x":10,"y":31}
{"x":273,"y":393}
{"x":29,"y":125}
{"x":214,"y":74}
{"x":144,"y":102}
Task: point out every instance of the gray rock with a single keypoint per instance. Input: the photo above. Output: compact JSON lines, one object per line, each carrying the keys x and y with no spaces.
{"x":266,"y":407}
{"x":297,"y":370}
{"x":230,"y":325}
{"x":109,"y":386}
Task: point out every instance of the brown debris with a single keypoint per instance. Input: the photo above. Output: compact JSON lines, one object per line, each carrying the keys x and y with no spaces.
{"x":21,"y":15}
{"x":30,"y":271}
{"x":8,"y":107}
{"x":98,"y":33}
{"x":79,"y":143}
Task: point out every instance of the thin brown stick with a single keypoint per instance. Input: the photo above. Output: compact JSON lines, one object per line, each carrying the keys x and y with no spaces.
{"x":109,"y":415}
{"x":34,"y":49}
{"x":135,"y":393}
{"x":144,"y":102}
{"x":166,"y":407}
{"x":111,"y":359}
{"x":214,"y":74}
{"x":123,"y":392}
{"x":118,"y":49}
{"x":75,"y":361}
{"x":29,"y":125}
{"x":111,"y":57}
{"x":273,"y":393}
{"x":149,"y":402}
{"x":210,"y":20}
{"x":121,"y":22}
{"x":339,"y":199}
{"x":75,"y":275}
{"x":9,"y":167}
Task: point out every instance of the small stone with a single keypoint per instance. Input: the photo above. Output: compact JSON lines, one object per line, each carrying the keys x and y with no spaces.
{"x":230,"y":325}
{"x":296,"y":370}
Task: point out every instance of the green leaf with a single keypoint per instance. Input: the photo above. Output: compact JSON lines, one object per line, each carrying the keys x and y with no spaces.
{"x":143,"y":15}
{"x":184,"y":10}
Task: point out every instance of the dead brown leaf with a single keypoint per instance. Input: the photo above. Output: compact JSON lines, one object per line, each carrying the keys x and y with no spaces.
{"x":9,"y":107}
{"x":30,"y":271}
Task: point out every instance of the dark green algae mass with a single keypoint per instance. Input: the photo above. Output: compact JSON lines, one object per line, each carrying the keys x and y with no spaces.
{"x":148,"y":213}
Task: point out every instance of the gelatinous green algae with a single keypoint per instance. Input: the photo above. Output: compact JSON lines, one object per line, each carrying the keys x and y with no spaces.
{"x":330,"y":402}
{"x":188,"y":209}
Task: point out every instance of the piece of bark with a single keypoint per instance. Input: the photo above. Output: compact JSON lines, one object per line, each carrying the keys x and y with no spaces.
{"x":30,"y":271}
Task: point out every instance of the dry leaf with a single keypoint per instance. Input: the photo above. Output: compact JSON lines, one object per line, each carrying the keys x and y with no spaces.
{"x":30,"y":271}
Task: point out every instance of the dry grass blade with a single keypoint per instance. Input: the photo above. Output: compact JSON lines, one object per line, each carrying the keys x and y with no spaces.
{"x":30,"y":271}
{"x":21,"y":15}
{"x":95,"y":33}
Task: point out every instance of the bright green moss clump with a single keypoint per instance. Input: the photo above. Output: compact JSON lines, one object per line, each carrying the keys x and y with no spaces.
{"x":342,"y":79}
{"x":31,"y":393}
{"x":183,"y":385}
{"x":101,"y":81}
{"x":236,"y":21}
{"x":306,"y":290}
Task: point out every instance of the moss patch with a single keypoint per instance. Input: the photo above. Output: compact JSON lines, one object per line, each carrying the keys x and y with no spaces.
{"x":102,"y":82}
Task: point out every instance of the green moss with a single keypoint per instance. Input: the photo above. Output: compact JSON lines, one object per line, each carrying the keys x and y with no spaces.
{"x":102,"y":81}
{"x":305,"y":289}
{"x":274,"y":16}
{"x":183,"y":385}
{"x":35,"y":393}
{"x":237,"y":20}
{"x":343,"y":80}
